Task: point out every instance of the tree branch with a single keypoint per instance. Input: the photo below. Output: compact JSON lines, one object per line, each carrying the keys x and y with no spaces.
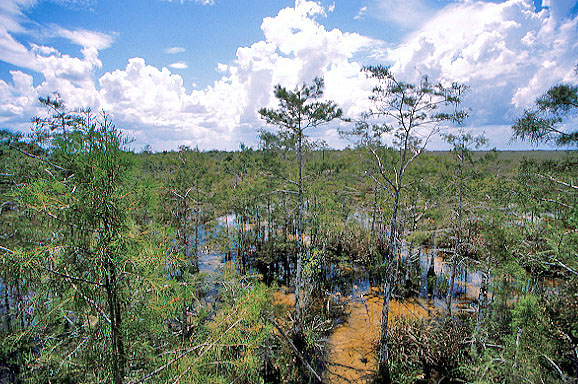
{"x":37,"y":158}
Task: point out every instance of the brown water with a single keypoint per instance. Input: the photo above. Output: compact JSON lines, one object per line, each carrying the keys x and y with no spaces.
{"x":351,"y":348}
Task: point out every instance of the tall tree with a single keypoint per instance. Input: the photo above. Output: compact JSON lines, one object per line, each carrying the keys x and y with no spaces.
{"x":183,"y":199}
{"x":298,"y":111}
{"x":81,"y":191}
{"x":402,"y":110}
{"x":462,"y":144}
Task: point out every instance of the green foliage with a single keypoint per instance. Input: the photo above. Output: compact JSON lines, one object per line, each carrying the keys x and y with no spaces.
{"x":542,"y":124}
{"x":529,"y":351}
{"x":85,"y":223}
{"x":420,"y":238}
{"x":429,"y":350}
{"x":234,"y":344}
{"x":299,"y":109}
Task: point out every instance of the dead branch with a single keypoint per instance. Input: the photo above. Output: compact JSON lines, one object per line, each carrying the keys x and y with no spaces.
{"x":297,"y":352}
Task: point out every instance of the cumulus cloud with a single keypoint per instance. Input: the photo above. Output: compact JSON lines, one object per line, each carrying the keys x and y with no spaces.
{"x":508,"y":53}
{"x":158,"y":109}
{"x":295,"y":49}
{"x":72,"y":76}
{"x":17,"y":98}
{"x":145,"y":93}
{"x":174,"y":50}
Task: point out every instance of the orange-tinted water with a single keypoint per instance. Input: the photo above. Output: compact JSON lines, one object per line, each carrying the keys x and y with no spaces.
{"x":351,"y":348}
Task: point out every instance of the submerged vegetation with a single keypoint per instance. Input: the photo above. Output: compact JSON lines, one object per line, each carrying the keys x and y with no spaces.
{"x":292,"y":262}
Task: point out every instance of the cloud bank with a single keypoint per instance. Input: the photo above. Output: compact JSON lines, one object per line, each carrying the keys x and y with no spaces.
{"x":509,"y":53}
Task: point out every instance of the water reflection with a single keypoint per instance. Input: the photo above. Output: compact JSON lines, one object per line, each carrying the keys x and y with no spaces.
{"x":422,"y":281}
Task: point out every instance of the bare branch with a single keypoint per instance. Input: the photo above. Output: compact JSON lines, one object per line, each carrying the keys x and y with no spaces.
{"x":380,"y":166}
{"x":36,"y":157}
{"x":68,"y":277}
{"x":548,"y":177}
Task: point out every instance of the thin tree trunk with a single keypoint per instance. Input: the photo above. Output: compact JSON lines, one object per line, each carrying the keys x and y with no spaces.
{"x":7,"y":321}
{"x":383,"y":374}
{"x":374,"y":212}
{"x":483,"y":297}
{"x":197,"y":223}
{"x":458,"y":240}
{"x":451,"y":281}
{"x":118,"y":356}
{"x":20,"y":303}
{"x":299,"y":277}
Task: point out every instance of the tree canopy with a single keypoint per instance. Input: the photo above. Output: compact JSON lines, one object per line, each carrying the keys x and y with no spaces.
{"x":552,"y":119}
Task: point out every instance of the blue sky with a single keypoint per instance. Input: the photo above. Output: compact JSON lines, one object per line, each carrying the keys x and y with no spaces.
{"x":195,"y":72}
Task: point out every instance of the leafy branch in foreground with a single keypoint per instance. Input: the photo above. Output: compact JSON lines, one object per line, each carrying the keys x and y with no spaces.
{"x":542,"y":123}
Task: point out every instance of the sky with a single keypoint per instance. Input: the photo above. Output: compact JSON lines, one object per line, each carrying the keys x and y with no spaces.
{"x":195,"y":72}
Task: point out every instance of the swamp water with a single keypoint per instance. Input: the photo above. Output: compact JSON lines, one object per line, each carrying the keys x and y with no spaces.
{"x":350,"y":348}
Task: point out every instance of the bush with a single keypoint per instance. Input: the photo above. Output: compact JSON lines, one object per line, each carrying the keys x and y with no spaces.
{"x":424,"y":350}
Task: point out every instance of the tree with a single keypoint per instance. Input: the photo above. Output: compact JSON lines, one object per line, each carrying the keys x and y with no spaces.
{"x":542,"y":122}
{"x":83,"y":259}
{"x":402,"y":110}
{"x":461,"y":147}
{"x":183,"y":203}
{"x":298,"y":111}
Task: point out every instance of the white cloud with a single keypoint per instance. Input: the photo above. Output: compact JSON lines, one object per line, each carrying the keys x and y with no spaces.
{"x":408,"y":14}
{"x":179,"y":65}
{"x":13,"y":52}
{"x":507,"y":52}
{"x":77,"y":4}
{"x":361,"y":13}
{"x":85,"y":38}
{"x":174,"y":50}
{"x":17,"y":98}
{"x":560,"y":9}
{"x":156,"y":108}
{"x":11,"y":14}
{"x":295,"y":49}
{"x":11,"y":19}
{"x":73,"y":77}
{"x":44,"y":50}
